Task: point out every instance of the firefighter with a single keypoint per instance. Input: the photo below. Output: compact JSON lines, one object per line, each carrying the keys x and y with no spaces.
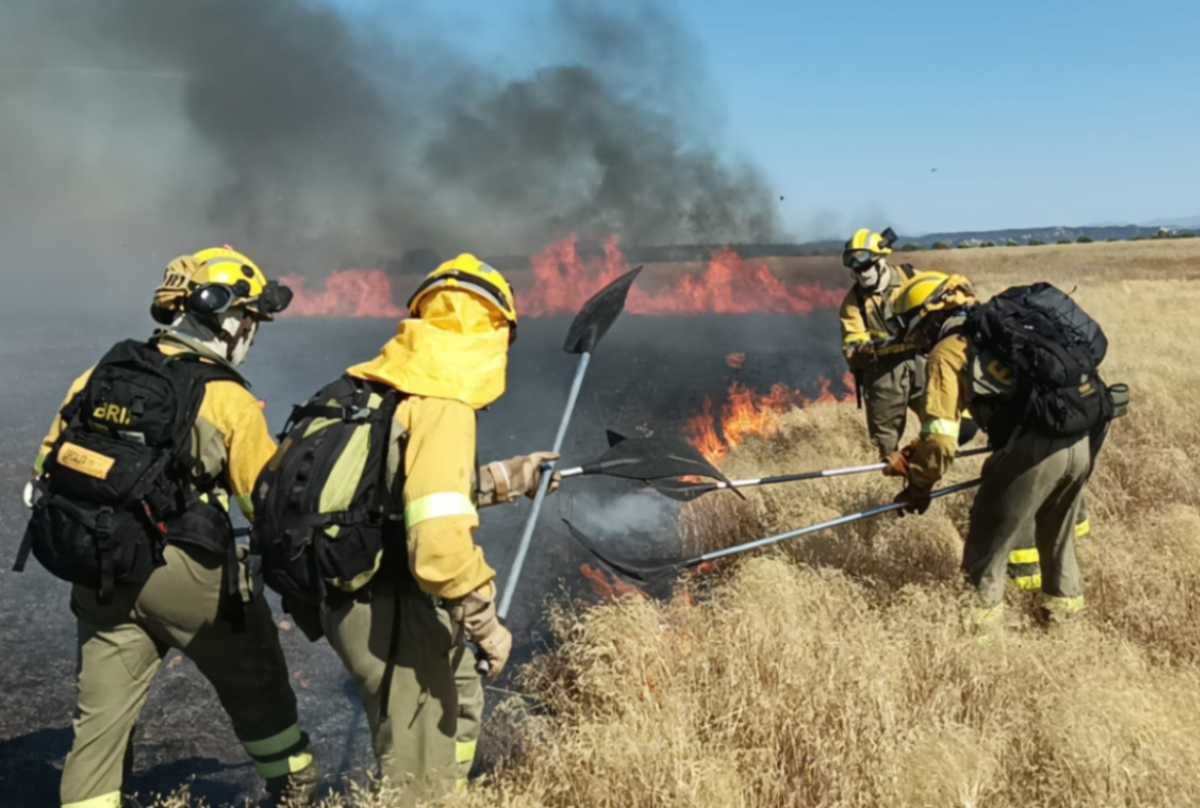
{"x":407,"y":638}
{"x":888,"y":374}
{"x":1028,"y":502}
{"x":212,"y":305}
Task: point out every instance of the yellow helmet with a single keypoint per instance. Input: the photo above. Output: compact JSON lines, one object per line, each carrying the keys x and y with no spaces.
{"x":864,"y":248}
{"x":468,"y":273}
{"x":215,"y":280}
{"x":927,"y":292}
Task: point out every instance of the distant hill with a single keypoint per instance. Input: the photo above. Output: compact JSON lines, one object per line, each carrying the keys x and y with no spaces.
{"x":416,"y":262}
{"x":1046,"y":235}
{"x":1187,"y":222}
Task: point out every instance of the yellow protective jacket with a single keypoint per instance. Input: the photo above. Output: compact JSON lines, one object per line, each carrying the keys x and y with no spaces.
{"x":230,"y":437}
{"x":865,"y":317}
{"x":440,"y":513}
{"x":931,"y":454}
{"x":450,"y":362}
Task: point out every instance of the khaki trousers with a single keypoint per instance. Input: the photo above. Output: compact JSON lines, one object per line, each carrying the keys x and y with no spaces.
{"x":422,"y":744}
{"x":1029,"y":498}
{"x":888,"y":393}
{"x":121,"y":646}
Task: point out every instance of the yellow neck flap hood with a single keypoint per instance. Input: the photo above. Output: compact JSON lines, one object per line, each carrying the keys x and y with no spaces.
{"x":457,"y":349}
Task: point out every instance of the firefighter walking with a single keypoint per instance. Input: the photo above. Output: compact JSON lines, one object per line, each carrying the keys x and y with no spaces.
{"x":888,"y":373}
{"x":167,"y":574}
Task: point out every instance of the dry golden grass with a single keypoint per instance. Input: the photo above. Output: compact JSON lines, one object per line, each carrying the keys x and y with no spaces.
{"x":834,"y":672}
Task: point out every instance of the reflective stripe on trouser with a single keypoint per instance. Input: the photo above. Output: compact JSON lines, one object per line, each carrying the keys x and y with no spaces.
{"x":1083,"y":526}
{"x":109,"y":800}
{"x":984,"y":618}
{"x":1024,"y":569}
{"x":1028,"y":497}
{"x":888,"y":395}
{"x":470,"y":712}
{"x":1060,"y":608}
{"x":280,"y":754}
{"x":121,"y":646}
{"x":415,"y":745}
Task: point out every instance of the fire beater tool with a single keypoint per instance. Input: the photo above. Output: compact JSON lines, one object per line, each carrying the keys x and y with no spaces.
{"x":685,"y":491}
{"x":649,"y":460}
{"x":589,"y":325}
{"x":645,"y":572}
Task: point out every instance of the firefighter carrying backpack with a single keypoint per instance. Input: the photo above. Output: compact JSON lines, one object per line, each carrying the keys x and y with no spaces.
{"x":321,"y":503}
{"x":121,"y":469}
{"x":1055,"y":350}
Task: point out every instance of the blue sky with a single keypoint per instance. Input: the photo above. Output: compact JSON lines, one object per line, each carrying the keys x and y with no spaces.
{"x":1031,"y":113}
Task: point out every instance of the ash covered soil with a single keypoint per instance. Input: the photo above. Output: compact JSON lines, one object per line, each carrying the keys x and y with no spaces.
{"x":650,"y":374}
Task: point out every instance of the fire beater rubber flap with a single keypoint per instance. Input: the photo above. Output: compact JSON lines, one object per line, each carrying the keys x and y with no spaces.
{"x":652,"y":458}
{"x":598,"y":314}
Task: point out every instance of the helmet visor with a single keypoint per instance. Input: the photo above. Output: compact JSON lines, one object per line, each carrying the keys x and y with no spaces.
{"x":859,"y":260}
{"x":211,"y":298}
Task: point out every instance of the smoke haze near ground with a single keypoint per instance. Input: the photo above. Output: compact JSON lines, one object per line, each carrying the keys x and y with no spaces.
{"x":135,"y":130}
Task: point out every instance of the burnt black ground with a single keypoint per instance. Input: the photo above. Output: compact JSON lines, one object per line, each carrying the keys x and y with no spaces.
{"x":648,"y":374}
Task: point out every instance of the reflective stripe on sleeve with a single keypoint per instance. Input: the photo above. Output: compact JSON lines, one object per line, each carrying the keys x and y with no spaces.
{"x":279,"y":742}
{"x":110,"y":800}
{"x":854,"y":338}
{"x":1083,"y":529}
{"x":436,"y":506}
{"x":940,"y":426}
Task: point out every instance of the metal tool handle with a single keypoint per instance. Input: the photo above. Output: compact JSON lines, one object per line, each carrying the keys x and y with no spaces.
{"x":837,"y":522}
{"x":514,"y":574}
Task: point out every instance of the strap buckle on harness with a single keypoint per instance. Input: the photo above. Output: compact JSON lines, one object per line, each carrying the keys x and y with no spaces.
{"x":103,"y":521}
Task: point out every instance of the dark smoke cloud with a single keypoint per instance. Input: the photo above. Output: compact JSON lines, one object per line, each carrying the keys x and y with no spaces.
{"x":320,"y":139}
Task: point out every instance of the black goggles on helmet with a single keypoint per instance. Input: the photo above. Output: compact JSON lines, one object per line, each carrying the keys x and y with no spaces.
{"x":859,"y":260}
{"x":217,"y":298}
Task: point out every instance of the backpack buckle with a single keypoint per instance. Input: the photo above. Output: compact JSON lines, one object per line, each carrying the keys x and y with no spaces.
{"x":104,"y":521}
{"x":358,"y":414}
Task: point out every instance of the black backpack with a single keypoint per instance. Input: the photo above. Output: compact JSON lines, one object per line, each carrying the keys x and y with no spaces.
{"x":321,"y":503}
{"x":1055,"y":350}
{"x":121,"y":469}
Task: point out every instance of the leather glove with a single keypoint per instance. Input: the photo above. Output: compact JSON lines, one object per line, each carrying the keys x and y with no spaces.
{"x":476,"y":613}
{"x":861,"y":358}
{"x":897,"y":463}
{"x":913,"y":500}
{"x":519,"y":476}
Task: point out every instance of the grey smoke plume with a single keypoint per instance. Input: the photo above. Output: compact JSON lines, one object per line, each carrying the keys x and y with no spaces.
{"x":317,"y":139}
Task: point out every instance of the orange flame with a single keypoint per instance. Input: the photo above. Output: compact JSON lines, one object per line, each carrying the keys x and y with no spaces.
{"x":737,"y":361}
{"x":747,"y":414}
{"x":563,"y":281}
{"x":608,"y":587}
{"x":347,"y":293}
